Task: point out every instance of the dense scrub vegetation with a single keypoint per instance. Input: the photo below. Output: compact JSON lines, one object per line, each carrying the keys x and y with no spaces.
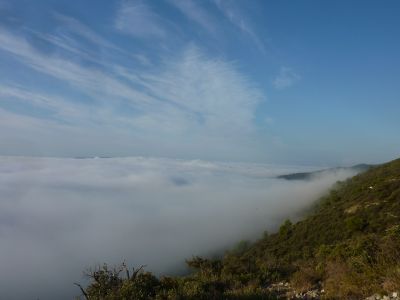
{"x":349,"y":246}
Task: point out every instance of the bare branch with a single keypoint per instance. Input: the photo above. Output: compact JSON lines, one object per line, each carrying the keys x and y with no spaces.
{"x":137,"y":271}
{"x":82,"y":290}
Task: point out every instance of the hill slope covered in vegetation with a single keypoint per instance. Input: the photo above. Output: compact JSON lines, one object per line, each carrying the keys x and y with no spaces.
{"x":348,"y":247}
{"x":310,"y":175}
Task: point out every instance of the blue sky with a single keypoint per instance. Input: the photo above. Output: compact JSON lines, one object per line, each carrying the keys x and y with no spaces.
{"x":303,"y":82}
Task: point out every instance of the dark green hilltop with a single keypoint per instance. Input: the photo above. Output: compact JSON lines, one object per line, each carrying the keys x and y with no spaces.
{"x":311,"y":175}
{"x":346,"y":247}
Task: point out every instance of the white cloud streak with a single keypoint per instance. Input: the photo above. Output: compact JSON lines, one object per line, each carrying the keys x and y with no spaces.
{"x":233,"y":14}
{"x":136,"y":18}
{"x":286,"y":78}
{"x":61,"y":107}
{"x":195,"y":13}
{"x":190,"y":99}
{"x":80,"y":29}
{"x":90,"y":80}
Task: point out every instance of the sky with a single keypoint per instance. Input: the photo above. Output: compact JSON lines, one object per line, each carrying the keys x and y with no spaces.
{"x":288,"y":82}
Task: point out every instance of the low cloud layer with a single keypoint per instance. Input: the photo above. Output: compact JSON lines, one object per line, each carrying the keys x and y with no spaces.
{"x":60,"y":216}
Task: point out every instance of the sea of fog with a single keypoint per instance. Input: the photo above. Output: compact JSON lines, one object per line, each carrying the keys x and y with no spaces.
{"x":59,"y":217}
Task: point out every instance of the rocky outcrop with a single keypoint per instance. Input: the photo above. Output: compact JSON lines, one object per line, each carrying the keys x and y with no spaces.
{"x":393,"y":296}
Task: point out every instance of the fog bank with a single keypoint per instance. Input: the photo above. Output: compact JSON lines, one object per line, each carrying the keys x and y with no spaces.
{"x":60,"y":216}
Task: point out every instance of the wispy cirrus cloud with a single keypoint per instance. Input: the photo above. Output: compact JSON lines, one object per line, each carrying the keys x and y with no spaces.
{"x":230,"y":10}
{"x":66,"y":43}
{"x":69,"y":29}
{"x":190,"y":97}
{"x":196,"y":13}
{"x":209,"y":88}
{"x":286,"y":78}
{"x":78,"y":28}
{"x":91,"y":81}
{"x":54,"y":104}
{"x":138,"y":19}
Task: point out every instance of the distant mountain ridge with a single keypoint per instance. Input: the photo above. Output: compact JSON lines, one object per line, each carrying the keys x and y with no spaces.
{"x":310,"y":175}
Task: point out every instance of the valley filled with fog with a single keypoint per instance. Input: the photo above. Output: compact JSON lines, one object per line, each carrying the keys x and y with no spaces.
{"x":59,"y":216}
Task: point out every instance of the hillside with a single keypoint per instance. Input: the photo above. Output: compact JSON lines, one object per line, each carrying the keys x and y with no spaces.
{"x":348,"y":247}
{"x":310,"y":175}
